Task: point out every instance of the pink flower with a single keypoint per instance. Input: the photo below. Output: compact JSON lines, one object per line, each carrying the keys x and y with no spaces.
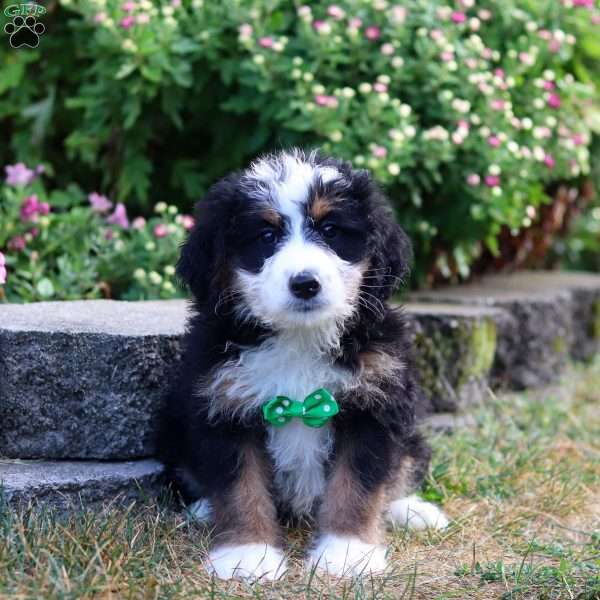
{"x":584,"y":3}
{"x":127,"y":22}
{"x":318,"y":25}
{"x":32,"y":207}
{"x":578,"y":139}
{"x":554,"y":101}
{"x":387,"y":49}
{"x":245,"y":30}
{"x":100,"y":17}
{"x":471,"y":63}
{"x":17,"y":243}
{"x":336,"y":12}
{"x":18,"y":174}
{"x":526,"y":58}
{"x":175,"y":3}
{"x":329,"y":101}
{"x":494,"y":141}
{"x":379,"y":152}
{"x":549,"y":85}
{"x":128,"y":7}
{"x":492,"y":180}
{"x":99,"y":203}
{"x":119,"y":216}
{"x":473,"y":179}
{"x":2,"y":269}
{"x":160,"y":230}
{"x":497,"y":104}
{"x":487,"y":53}
{"x":372,"y":32}
{"x":458,"y":17}
{"x":143,"y":18}
{"x":595,"y":19}
{"x":187,"y":221}
{"x":138,"y":223}
{"x":554,"y":46}
{"x":549,"y":161}
{"x":436,"y":34}
{"x":544,"y":34}
{"x":499,"y":73}
{"x":399,"y":14}
{"x":266,"y":42}
{"x":447,"y":56}
{"x":380,"y":88}
{"x":484,"y":14}
{"x":464,"y":125}
{"x":458,"y":137}
{"x":355,"y":23}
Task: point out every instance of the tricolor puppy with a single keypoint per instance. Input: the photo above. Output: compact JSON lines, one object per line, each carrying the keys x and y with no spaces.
{"x":297,"y":397}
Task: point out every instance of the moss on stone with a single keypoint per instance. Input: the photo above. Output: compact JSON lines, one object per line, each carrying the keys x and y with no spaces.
{"x":596,"y":322}
{"x":481,"y":349}
{"x":559,"y":345}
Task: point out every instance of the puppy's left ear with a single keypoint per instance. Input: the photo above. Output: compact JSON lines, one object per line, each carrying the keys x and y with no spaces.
{"x":203,"y":254}
{"x":391,"y":253}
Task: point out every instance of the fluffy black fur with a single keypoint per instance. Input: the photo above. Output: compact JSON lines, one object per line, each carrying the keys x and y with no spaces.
{"x":202,"y":457}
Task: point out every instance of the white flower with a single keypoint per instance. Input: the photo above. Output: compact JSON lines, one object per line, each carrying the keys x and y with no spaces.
{"x":436,"y":133}
{"x":155,"y":277}
{"x":461,"y":106}
{"x":348,"y":92}
{"x":539,"y":103}
{"x":365,"y":88}
{"x":497,"y":191}
{"x":168,"y":286}
{"x":297,"y":61}
{"x":129,"y":45}
{"x":452,"y":65}
{"x":475,"y":119}
{"x":494,"y":169}
{"x":551,"y":121}
{"x":405,"y":110}
{"x":139,"y":274}
{"x":296,"y":73}
{"x":549,"y":75}
{"x":167,"y":11}
{"x":386,"y":79}
{"x":308,"y":77}
{"x":160,"y":207}
{"x":318,"y":88}
{"x":513,"y":147}
{"x":527,"y":123}
{"x":410,"y":131}
{"x":394,"y":169}
{"x":197,"y":3}
{"x":336,"y":136}
{"x":397,"y":62}
{"x":538,"y":153}
{"x":170,"y":270}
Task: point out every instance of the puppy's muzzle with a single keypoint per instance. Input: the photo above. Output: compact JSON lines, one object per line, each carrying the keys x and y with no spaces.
{"x":305,"y":285}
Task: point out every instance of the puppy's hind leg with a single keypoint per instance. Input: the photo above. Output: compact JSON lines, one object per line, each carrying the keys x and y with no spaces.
{"x":405,"y":508}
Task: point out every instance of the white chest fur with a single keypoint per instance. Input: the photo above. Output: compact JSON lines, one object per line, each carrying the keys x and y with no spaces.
{"x":285,"y":365}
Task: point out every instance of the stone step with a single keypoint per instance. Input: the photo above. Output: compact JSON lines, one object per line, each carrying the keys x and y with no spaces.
{"x":545,"y":318}
{"x":64,"y":484}
{"x":454,"y":350}
{"x":83,"y":380}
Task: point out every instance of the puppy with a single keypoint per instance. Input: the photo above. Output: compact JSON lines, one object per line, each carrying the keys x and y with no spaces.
{"x":297,"y":397}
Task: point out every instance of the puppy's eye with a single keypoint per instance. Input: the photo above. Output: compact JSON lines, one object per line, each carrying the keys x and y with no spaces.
{"x":268,"y":237}
{"x":329,"y":231}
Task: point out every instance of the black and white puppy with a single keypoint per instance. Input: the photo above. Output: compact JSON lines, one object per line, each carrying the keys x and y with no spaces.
{"x":290,"y":265}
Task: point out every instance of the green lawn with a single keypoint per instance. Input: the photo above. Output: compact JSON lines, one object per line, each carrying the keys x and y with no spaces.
{"x":523,"y":486}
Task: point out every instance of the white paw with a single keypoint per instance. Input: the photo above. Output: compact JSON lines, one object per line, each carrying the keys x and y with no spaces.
{"x":201,"y":510}
{"x":414,"y":513}
{"x":341,"y":555}
{"x":247,"y":561}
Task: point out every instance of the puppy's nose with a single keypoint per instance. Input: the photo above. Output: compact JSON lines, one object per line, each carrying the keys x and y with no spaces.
{"x":304,"y":285}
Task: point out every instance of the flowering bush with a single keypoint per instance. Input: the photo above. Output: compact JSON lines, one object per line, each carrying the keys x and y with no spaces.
{"x":465,"y":109}
{"x":60,"y":245}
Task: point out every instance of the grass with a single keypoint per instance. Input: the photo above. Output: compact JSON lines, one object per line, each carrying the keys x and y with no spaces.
{"x":522,"y":484}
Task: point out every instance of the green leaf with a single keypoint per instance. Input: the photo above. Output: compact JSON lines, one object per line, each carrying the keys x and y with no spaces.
{"x":125,"y":70}
{"x":45,"y":288}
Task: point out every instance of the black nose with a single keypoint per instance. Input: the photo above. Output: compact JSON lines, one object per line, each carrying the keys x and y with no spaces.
{"x":304,"y":285}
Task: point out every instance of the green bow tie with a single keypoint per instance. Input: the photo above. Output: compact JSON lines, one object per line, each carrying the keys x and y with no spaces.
{"x":315,"y":411}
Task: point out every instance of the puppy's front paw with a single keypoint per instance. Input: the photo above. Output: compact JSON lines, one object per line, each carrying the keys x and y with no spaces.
{"x":414,"y":513}
{"x":247,"y":561}
{"x":341,"y":555}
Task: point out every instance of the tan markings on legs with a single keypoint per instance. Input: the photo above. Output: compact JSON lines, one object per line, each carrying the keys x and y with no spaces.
{"x":348,"y":509}
{"x":402,"y":484}
{"x":247,"y":514}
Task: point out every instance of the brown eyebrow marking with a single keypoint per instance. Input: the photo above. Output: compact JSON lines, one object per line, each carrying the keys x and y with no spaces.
{"x":271,"y":216}
{"x":320,"y":207}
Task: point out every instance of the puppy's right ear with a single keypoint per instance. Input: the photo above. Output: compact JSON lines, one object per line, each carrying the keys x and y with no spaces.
{"x":203,"y":254}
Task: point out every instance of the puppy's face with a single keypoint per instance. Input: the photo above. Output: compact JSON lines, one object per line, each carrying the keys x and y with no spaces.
{"x":302,"y":245}
{"x":294,"y":241}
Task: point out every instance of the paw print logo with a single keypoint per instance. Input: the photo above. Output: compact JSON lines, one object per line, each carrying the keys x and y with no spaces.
{"x":24,"y":31}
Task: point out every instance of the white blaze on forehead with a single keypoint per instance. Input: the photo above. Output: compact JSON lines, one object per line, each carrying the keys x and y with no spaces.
{"x":285,"y":180}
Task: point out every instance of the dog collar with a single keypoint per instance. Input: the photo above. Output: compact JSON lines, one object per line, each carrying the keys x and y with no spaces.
{"x":315,"y":411}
